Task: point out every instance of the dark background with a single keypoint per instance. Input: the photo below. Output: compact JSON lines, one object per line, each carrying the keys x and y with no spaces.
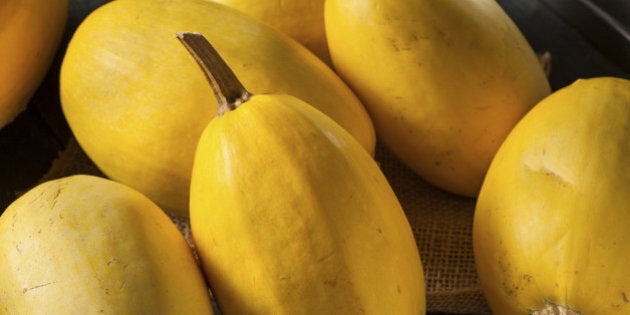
{"x":586,"y":38}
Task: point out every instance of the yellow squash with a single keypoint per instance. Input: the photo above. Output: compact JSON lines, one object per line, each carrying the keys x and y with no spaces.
{"x":444,"y":81}
{"x":290,"y":215}
{"x":87,"y":245}
{"x":30,"y":31}
{"x":302,"y":20}
{"x":137,"y":105}
{"x":552,"y":223}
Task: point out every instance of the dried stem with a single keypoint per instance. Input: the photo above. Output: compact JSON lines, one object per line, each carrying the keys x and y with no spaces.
{"x":229,"y":91}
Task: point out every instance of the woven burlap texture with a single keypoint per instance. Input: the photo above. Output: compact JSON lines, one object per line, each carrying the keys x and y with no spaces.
{"x":441,"y":222}
{"x":442,"y":225}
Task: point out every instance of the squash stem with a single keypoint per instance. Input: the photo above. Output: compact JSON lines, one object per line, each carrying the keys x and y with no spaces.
{"x":229,"y":91}
{"x":555,"y":309}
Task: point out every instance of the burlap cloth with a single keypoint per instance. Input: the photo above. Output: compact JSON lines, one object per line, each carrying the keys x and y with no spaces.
{"x":441,"y":222}
{"x":442,"y":225}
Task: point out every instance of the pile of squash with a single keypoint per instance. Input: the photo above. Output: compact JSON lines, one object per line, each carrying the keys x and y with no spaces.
{"x":259,"y":121}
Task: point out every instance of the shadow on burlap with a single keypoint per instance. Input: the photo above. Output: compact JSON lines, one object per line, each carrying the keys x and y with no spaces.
{"x":441,"y":222}
{"x":442,"y":226}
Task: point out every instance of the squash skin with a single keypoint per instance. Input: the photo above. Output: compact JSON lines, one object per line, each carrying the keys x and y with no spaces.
{"x":84,"y":244}
{"x":327,"y":232}
{"x":444,"y":81}
{"x":302,"y":20}
{"x":137,"y":103}
{"x":551,"y":222}
{"x":30,"y":33}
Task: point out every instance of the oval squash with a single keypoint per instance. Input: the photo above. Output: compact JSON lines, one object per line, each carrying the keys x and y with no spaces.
{"x":87,"y":245}
{"x":444,"y":81}
{"x":30,"y":33}
{"x":551,"y":227}
{"x":302,"y":20}
{"x":137,"y":103}
{"x":290,"y":215}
